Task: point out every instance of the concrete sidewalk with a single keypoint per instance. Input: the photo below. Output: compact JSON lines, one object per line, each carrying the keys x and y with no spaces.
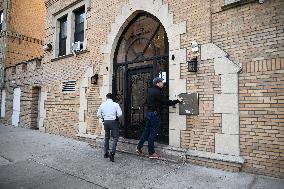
{"x":31,"y":159}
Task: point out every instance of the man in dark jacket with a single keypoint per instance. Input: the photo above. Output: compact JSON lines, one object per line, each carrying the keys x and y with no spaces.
{"x":155,"y":99}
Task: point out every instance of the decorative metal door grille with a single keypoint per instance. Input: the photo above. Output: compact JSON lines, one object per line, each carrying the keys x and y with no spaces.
{"x":141,"y":55}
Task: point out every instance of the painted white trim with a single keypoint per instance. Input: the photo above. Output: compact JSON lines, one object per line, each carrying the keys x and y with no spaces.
{"x":160,"y":11}
{"x":226,"y":103}
{"x":42,"y":111}
{"x":82,"y":129}
{"x":3,"y":103}
{"x":16,"y":107}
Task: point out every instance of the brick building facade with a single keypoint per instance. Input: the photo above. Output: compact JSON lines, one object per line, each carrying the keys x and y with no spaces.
{"x":22,"y":35}
{"x":239,"y":74}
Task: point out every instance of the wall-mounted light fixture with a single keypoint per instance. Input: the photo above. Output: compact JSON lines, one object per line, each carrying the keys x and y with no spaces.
{"x":94,"y":79}
{"x":192,"y":65}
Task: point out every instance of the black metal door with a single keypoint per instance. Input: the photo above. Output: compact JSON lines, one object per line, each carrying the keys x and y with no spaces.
{"x":141,"y":55}
{"x":139,"y":80}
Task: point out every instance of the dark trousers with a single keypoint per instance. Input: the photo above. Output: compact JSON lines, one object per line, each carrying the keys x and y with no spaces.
{"x":111,"y":129}
{"x":153,"y":122}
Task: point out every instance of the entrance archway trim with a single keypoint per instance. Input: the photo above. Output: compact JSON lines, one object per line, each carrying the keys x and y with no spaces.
{"x":177,"y":85}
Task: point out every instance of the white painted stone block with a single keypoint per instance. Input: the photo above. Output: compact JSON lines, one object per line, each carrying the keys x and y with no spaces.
{"x":227,"y":144}
{"x":125,"y":12}
{"x":226,"y":103}
{"x":176,"y":87}
{"x":225,"y":66}
{"x":174,"y":71}
{"x":157,"y":4}
{"x":176,"y":121}
{"x":103,"y":92}
{"x":107,"y":79}
{"x":210,"y":51}
{"x":176,"y":29}
{"x":105,"y":48}
{"x":174,"y":138}
{"x":229,"y":83}
{"x":164,"y":16}
{"x":174,"y":43}
{"x":81,"y":114}
{"x":41,"y":129}
{"x":230,"y":124}
{"x":82,"y":128}
{"x":180,"y":56}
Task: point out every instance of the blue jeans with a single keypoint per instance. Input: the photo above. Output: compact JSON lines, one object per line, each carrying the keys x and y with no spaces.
{"x":153,"y":122}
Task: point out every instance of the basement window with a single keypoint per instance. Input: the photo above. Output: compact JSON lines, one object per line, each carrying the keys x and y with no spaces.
{"x":68,"y":86}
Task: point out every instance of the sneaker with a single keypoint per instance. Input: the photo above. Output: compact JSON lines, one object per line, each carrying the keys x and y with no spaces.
{"x":139,"y":151}
{"x":106,"y":155}
{"x":154,"y":156}
{"x":111,"y":157}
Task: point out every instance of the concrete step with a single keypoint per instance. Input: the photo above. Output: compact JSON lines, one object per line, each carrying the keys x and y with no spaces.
{"x":173,"y":154}
{"x":167,"y":153}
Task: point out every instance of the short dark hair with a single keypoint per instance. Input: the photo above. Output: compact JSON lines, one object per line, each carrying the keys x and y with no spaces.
{"x":109,"y":95}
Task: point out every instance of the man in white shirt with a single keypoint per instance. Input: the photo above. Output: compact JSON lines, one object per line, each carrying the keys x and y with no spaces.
{"x":109,"y":111}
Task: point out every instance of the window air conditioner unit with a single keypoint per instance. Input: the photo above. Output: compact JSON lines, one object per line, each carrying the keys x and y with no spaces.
{"x":77,"y":46}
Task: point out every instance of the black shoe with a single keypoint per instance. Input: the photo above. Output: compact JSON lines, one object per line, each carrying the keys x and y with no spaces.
{"x":139,"y":151}
{"x":111,"y":157}
{"x":106,"y":155}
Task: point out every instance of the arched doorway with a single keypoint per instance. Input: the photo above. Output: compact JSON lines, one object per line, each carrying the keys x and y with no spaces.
{"x":141,"y":54}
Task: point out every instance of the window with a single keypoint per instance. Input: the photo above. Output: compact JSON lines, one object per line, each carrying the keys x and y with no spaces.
{"x":79,"y":25}
{"x":1,"y":20}
{"x":70,"y":25}
{"x":62,"y":35}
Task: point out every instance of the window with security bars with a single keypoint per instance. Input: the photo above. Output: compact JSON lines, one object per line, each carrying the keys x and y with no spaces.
{"x":62,"y":35}
{"x":79,"y":25}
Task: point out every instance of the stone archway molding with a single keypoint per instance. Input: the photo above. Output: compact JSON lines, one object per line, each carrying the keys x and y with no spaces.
{"x":177,"y":85}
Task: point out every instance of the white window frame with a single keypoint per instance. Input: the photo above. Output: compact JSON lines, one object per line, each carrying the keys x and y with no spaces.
{"x":70,"y":28}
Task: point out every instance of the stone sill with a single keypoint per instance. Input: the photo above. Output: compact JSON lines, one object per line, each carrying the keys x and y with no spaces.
{"x":69,"y":55}
{"x":237,"y":4}
{"x":214,"y":156}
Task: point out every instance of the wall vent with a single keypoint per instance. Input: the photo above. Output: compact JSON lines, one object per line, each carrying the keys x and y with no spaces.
{"x":68,"y":86}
